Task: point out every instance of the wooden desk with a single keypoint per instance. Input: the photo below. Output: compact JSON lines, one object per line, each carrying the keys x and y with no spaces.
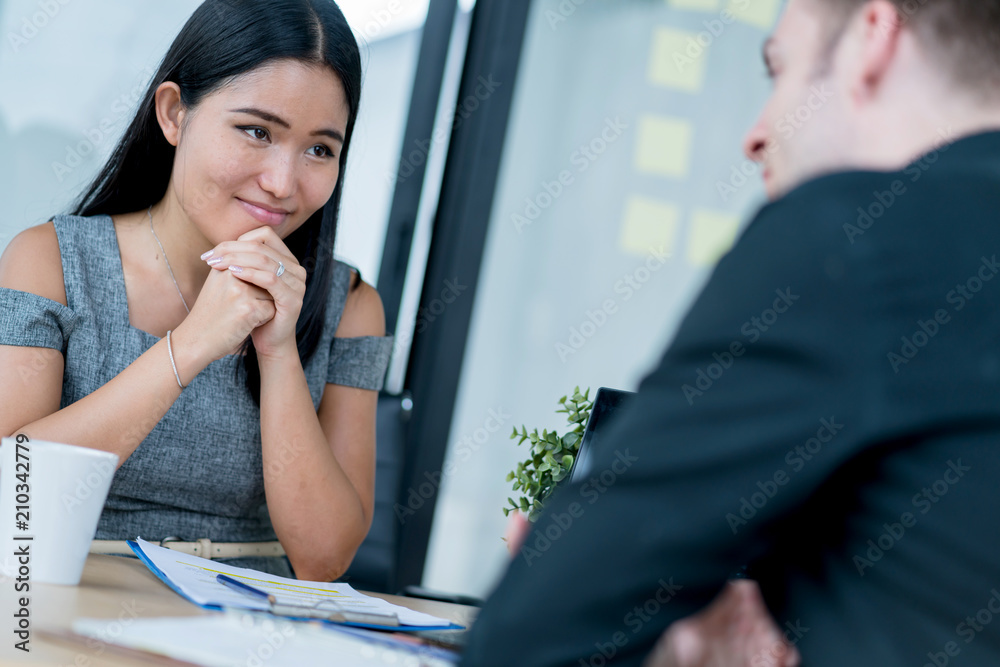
{"x":119,"y":588}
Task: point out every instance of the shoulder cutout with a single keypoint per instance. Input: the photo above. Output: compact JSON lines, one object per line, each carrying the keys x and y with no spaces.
{"x":32,"y":263}
{"x":363,"y":311}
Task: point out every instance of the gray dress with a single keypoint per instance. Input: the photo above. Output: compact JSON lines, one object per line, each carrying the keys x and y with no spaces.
{"x":199,"y":472}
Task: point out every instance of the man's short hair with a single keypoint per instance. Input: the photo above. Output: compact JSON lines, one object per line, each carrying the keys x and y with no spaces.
{"x":963,"y":34}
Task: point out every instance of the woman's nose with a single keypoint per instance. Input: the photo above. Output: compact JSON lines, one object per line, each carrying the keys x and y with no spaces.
{"x":278,"y":177}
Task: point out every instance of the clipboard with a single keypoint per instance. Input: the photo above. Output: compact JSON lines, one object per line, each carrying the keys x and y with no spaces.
{"x":139,"y":547}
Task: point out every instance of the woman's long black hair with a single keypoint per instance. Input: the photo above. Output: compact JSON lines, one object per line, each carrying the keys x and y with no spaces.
{"x":222,"y":40}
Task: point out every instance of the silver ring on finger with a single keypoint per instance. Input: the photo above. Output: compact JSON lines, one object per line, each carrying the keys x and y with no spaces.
{"x":281,"y":269}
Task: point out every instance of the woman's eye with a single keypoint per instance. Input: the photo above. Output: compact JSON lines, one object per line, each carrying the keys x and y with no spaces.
{"x":321,"y":151}
{"x":258,"y":133}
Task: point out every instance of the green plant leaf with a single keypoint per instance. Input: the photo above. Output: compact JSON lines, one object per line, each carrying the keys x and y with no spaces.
{"x":551,"y":456}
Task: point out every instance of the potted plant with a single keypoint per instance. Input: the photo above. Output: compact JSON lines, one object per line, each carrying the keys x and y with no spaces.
{"x":552,"y":456}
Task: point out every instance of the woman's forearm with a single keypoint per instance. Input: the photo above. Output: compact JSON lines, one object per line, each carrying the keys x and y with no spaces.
{"x":316,"y":511}
{"x":118,"y":416}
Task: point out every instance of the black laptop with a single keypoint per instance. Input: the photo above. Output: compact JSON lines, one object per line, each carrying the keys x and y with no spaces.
{"x":607,"y":404}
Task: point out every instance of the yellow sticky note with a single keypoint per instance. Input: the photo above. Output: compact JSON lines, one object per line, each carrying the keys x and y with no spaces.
{"x":712,"y":235}
{"x":663,"y":146}
{"x":677,"y":60}
{"x":695,"y":5}
{"x":649,"y":224}
{"x":761,"y":13}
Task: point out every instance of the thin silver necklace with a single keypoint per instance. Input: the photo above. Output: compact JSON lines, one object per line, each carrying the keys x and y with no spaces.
{"x":149,"y":212}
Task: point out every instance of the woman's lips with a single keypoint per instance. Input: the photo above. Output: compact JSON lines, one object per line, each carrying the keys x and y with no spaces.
{"x":263,"y":215}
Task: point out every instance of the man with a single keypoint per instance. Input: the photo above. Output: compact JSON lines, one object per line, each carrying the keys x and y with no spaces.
{"x":830,"y":408}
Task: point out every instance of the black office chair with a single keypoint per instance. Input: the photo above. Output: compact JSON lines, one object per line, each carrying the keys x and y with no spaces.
{"x":376,"y":563}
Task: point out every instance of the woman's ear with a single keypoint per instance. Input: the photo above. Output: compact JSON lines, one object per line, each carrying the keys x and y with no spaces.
{"x":170,"y":111}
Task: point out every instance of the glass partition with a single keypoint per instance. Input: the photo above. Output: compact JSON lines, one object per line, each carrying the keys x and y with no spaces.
{"x":622,"y":183}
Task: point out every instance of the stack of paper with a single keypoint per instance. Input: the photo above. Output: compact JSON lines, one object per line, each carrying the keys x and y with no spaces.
{"x":252,"y":639}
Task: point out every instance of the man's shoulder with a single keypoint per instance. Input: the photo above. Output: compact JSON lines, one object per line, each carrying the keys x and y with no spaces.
{"x":923,"y":199}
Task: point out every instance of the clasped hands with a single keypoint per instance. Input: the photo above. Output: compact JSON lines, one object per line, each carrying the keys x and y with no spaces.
{"x":243,"y":295}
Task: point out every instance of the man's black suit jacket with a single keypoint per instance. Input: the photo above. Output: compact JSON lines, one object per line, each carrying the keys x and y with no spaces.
{"x":830,"y":412}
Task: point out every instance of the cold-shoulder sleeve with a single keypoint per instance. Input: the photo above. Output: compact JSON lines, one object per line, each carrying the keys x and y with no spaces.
{"x":359,"y":362}
{"x":29,"y":320}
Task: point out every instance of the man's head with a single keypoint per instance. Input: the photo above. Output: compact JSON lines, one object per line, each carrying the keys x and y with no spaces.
{"x":871,"y":84}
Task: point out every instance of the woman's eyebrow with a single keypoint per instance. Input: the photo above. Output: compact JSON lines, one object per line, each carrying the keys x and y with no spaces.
{"x":277,"y":120}
{"x":264,"y":115}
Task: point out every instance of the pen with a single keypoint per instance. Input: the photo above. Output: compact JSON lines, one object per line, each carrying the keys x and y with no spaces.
{"x":245,"y":588}
{"x":337,"y":615}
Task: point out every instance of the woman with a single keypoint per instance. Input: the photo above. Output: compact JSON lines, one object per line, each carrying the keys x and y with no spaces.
{"x":189,"y":316}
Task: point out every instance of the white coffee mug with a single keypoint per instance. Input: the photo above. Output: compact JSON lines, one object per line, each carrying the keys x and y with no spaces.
{"x":51,"y":497}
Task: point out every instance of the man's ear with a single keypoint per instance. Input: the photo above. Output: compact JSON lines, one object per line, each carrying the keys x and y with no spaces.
{"x":880,"y":25}
{"x":170,"y":111}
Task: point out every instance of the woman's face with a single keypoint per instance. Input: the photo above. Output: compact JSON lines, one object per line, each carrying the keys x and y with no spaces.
{"x":263,"y":150}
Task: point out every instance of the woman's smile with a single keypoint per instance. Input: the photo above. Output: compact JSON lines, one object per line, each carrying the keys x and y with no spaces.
{"x":266,"y":215}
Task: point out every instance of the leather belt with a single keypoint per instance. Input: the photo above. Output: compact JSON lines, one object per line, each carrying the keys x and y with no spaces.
{"x":203,"y":548}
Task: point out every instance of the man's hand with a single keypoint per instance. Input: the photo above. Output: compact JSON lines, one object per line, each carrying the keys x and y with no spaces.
{"x":736,"y":630}
{"x":518,"y":528}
